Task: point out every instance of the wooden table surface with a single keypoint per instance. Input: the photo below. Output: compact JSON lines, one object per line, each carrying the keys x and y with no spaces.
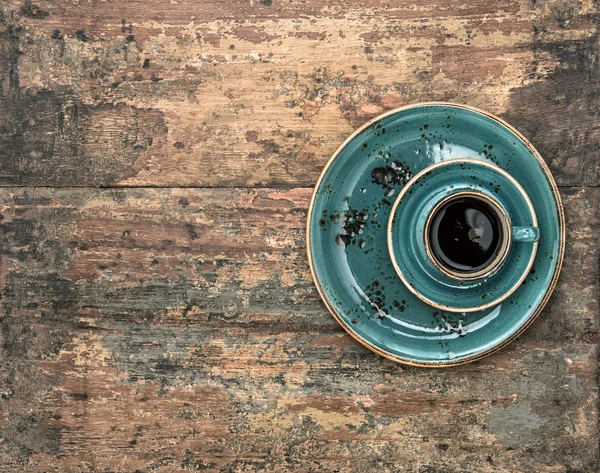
{"x":156,"y":162}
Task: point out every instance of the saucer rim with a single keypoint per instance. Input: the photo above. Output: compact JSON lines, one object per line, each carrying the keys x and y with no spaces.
{"x":549,"y":290}
{"x":392,"y":253}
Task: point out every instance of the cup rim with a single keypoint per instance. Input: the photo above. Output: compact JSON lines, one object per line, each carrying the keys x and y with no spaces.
{"x":501,"y":254}
{"x":390,"y":227}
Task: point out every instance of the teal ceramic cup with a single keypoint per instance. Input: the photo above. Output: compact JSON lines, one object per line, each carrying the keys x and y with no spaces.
{"x":478,"y":235}
{"x":462,"y":235}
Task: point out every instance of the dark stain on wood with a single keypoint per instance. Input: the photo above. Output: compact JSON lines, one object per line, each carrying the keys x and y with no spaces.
{"x":50,"y":137}
{"x":91,"y":145}
{"x":560,"y":113}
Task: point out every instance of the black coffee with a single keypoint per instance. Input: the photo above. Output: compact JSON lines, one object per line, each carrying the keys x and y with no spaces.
{"x":465,"y":234}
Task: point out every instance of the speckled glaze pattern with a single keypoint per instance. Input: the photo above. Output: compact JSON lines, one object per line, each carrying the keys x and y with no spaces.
{"x":347,"y":234}
{"x":406,"y":235}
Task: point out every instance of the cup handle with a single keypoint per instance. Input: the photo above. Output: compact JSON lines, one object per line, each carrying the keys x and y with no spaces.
{"x":526,"y":234}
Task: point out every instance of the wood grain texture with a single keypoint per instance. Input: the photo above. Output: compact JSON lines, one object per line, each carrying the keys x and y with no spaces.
{"x":261,"y":93}
{"x":168,"y":322}
{"x":168,"y":329}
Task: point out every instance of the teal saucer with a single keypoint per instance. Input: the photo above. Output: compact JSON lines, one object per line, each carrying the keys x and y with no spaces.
{"x":406,"y":229}
{"x":347,"y":235}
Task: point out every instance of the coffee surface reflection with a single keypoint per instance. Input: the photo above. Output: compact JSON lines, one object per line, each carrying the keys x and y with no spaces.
{"x":465,"y":234}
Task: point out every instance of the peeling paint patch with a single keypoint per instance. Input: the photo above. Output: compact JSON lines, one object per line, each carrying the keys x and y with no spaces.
{"x":514,"y":425}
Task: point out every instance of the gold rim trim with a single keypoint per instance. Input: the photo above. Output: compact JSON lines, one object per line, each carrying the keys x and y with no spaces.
{"x":553,"y":281}
{"x":499,"y":257}
{"x":404,"y":191}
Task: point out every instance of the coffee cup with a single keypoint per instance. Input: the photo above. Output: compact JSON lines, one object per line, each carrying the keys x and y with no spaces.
{"x":468,"y":235}
{"x":462,"y":235}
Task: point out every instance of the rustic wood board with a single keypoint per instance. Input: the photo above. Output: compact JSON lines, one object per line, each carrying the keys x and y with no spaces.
{"x":156,"y":164}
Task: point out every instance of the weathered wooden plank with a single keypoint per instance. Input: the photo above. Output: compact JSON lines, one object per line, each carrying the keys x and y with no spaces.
{"x":259,"y":403}
{"x":159,"y":329}
{"x":261,"y":93}
{"x":235,"y":255}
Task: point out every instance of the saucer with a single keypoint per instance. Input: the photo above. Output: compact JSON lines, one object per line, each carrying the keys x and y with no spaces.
{"x":347,"y":234}
{"x":406,"y":229}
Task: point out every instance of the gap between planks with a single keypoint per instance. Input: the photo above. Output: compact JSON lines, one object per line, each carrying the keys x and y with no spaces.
{"x":276,"y":186}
